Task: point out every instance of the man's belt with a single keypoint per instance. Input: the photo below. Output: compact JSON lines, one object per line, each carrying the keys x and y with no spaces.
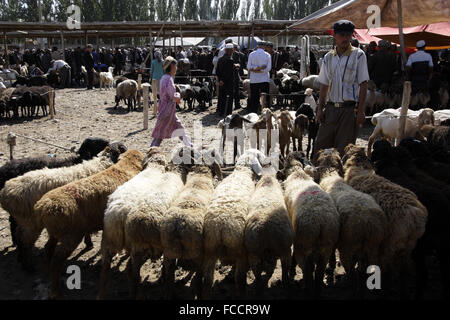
{"x":345,"y":104}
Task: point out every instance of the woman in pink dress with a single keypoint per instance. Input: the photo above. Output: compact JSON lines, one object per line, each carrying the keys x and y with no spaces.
{"x":167,"y":121}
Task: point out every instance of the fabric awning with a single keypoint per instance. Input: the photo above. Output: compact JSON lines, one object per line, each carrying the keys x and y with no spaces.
{"x":187,"y":42}
{"x":437,"y":35}
{"x":414,"y":13}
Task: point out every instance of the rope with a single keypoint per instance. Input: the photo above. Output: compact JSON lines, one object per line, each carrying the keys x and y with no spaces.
{"x":40,"y":141}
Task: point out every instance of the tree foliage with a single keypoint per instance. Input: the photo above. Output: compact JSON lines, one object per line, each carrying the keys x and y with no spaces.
{"x":161,"y":10}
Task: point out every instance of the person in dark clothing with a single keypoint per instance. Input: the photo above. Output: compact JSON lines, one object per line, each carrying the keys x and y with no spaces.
{"x":225,"y":73}
{"x":382,"y":66}
{"x":89,"y":65}
{"x":117,"y":61}
{"x":238,"y":58}
{"x":277,"y":61}
{"x":45,"y":60}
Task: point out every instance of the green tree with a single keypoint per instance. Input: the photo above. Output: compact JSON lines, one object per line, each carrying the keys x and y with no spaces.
{"x":191,"y":10}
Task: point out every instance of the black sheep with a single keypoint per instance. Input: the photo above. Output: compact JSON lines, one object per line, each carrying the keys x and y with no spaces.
{"x":313,"y":126}
{"x":423,"y":160}
{"x":20,"y":81}
{"x":15,"y":168}
{"x":37,"y":81}
{"x":393,"y":164}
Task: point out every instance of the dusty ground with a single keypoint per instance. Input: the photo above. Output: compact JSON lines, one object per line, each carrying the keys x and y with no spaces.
{"x":81,"y":114}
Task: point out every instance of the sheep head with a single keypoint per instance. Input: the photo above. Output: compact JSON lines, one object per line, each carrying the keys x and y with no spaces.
{"x":154,"y":156}
{"x":355,"y":156}
{"x":254,"y":159}
{"x":114,"y":150}
{"x":426,"y":117}
{"x":329,"y":161}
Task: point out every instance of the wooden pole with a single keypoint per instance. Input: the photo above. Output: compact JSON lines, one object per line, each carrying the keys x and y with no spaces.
{"x":181,"y":36}
{"x":164,"y":40}
{"x":6,"y":49}
{"x":407,"y":84}
{"x":85,"y":38}
{"x":404,"y":110}
{"x":139,"y":88}
{"x":112,"y":43}
{"x":400,"y":32}
{"x":97,"y":42}
{"x":62,"y":43}
{"x":146,"y":86}
{"x":50,"y":103}
{"x":151,"y":44}
{"x":253,"y":34}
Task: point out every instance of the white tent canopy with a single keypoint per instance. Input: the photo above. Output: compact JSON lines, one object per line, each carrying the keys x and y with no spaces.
{"x":187,"y":42}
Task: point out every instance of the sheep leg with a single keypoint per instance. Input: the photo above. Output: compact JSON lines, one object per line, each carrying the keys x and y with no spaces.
{"x":197,"y":281}
{"x":13,"y":228}
{"x":257,"y":271}
{"x":208,"y":276}
{"x":331,"y":267}
{"x":293,"y":266}
{"x":272,"y":264}
{"x":49,"y":250}
{"x":318,"y":276}
{"x":106,"y":265}
{"x":134,"y":272}
{"x":169,"y":277}
{"x":309,"y":146}
{"x":308,"y":269}
{"x":294,"y":147}
{"x":27,"y":235}
{"x":372,"y":138}
{"x":285,"y":266}
{"x":88,"y":241}
{"x":63,"y":250}
{"x":240,"y":277}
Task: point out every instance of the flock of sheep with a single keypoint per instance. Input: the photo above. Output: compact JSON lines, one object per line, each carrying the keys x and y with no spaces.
{"x":150,"y":206}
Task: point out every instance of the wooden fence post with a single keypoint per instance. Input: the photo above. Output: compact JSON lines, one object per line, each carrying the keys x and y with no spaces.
{"x":50,"y":103}
{"x":146,"y":91}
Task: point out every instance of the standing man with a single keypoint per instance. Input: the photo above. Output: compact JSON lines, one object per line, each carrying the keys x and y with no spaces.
{"x":89,"y":65}
{"x":343,"y":78}
{"x":259,"y":65}
{"x":238,"y":58}
{"x":419,"y":68}
{"x":276,"y":61}
{"x":225,"y":73}
{"x":382,"y":66}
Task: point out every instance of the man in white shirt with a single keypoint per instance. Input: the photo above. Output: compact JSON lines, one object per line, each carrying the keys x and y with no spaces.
{"x":64,"y":71}
{"x":343,"y":78}
{"x":259,"y":65}
{"x":419,"y":67}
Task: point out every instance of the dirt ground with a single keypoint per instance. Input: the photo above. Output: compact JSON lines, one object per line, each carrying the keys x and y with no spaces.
{"x":81,"y":114}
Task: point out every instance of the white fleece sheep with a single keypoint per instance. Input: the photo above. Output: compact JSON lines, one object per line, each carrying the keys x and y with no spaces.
{"x":133,"y":215}
{"x":107,"y":78}
{"x":363,"y":222}
{"x":268,"y":231}
{"x":182,"y":226}
{"x":71,"y":211}
{"x":20,"y":194}
{"x":224,"y":225}
{"x":315,"y":221}
{"x":389,"y":128}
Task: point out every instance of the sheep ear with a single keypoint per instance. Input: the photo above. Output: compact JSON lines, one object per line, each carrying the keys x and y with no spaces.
{"x":217,"y":171}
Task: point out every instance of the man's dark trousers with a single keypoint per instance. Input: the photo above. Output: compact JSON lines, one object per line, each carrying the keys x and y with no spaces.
{"x":255,"y":93}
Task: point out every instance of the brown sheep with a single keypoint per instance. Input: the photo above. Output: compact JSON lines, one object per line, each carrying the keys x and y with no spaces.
{"x":76,"y":209}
